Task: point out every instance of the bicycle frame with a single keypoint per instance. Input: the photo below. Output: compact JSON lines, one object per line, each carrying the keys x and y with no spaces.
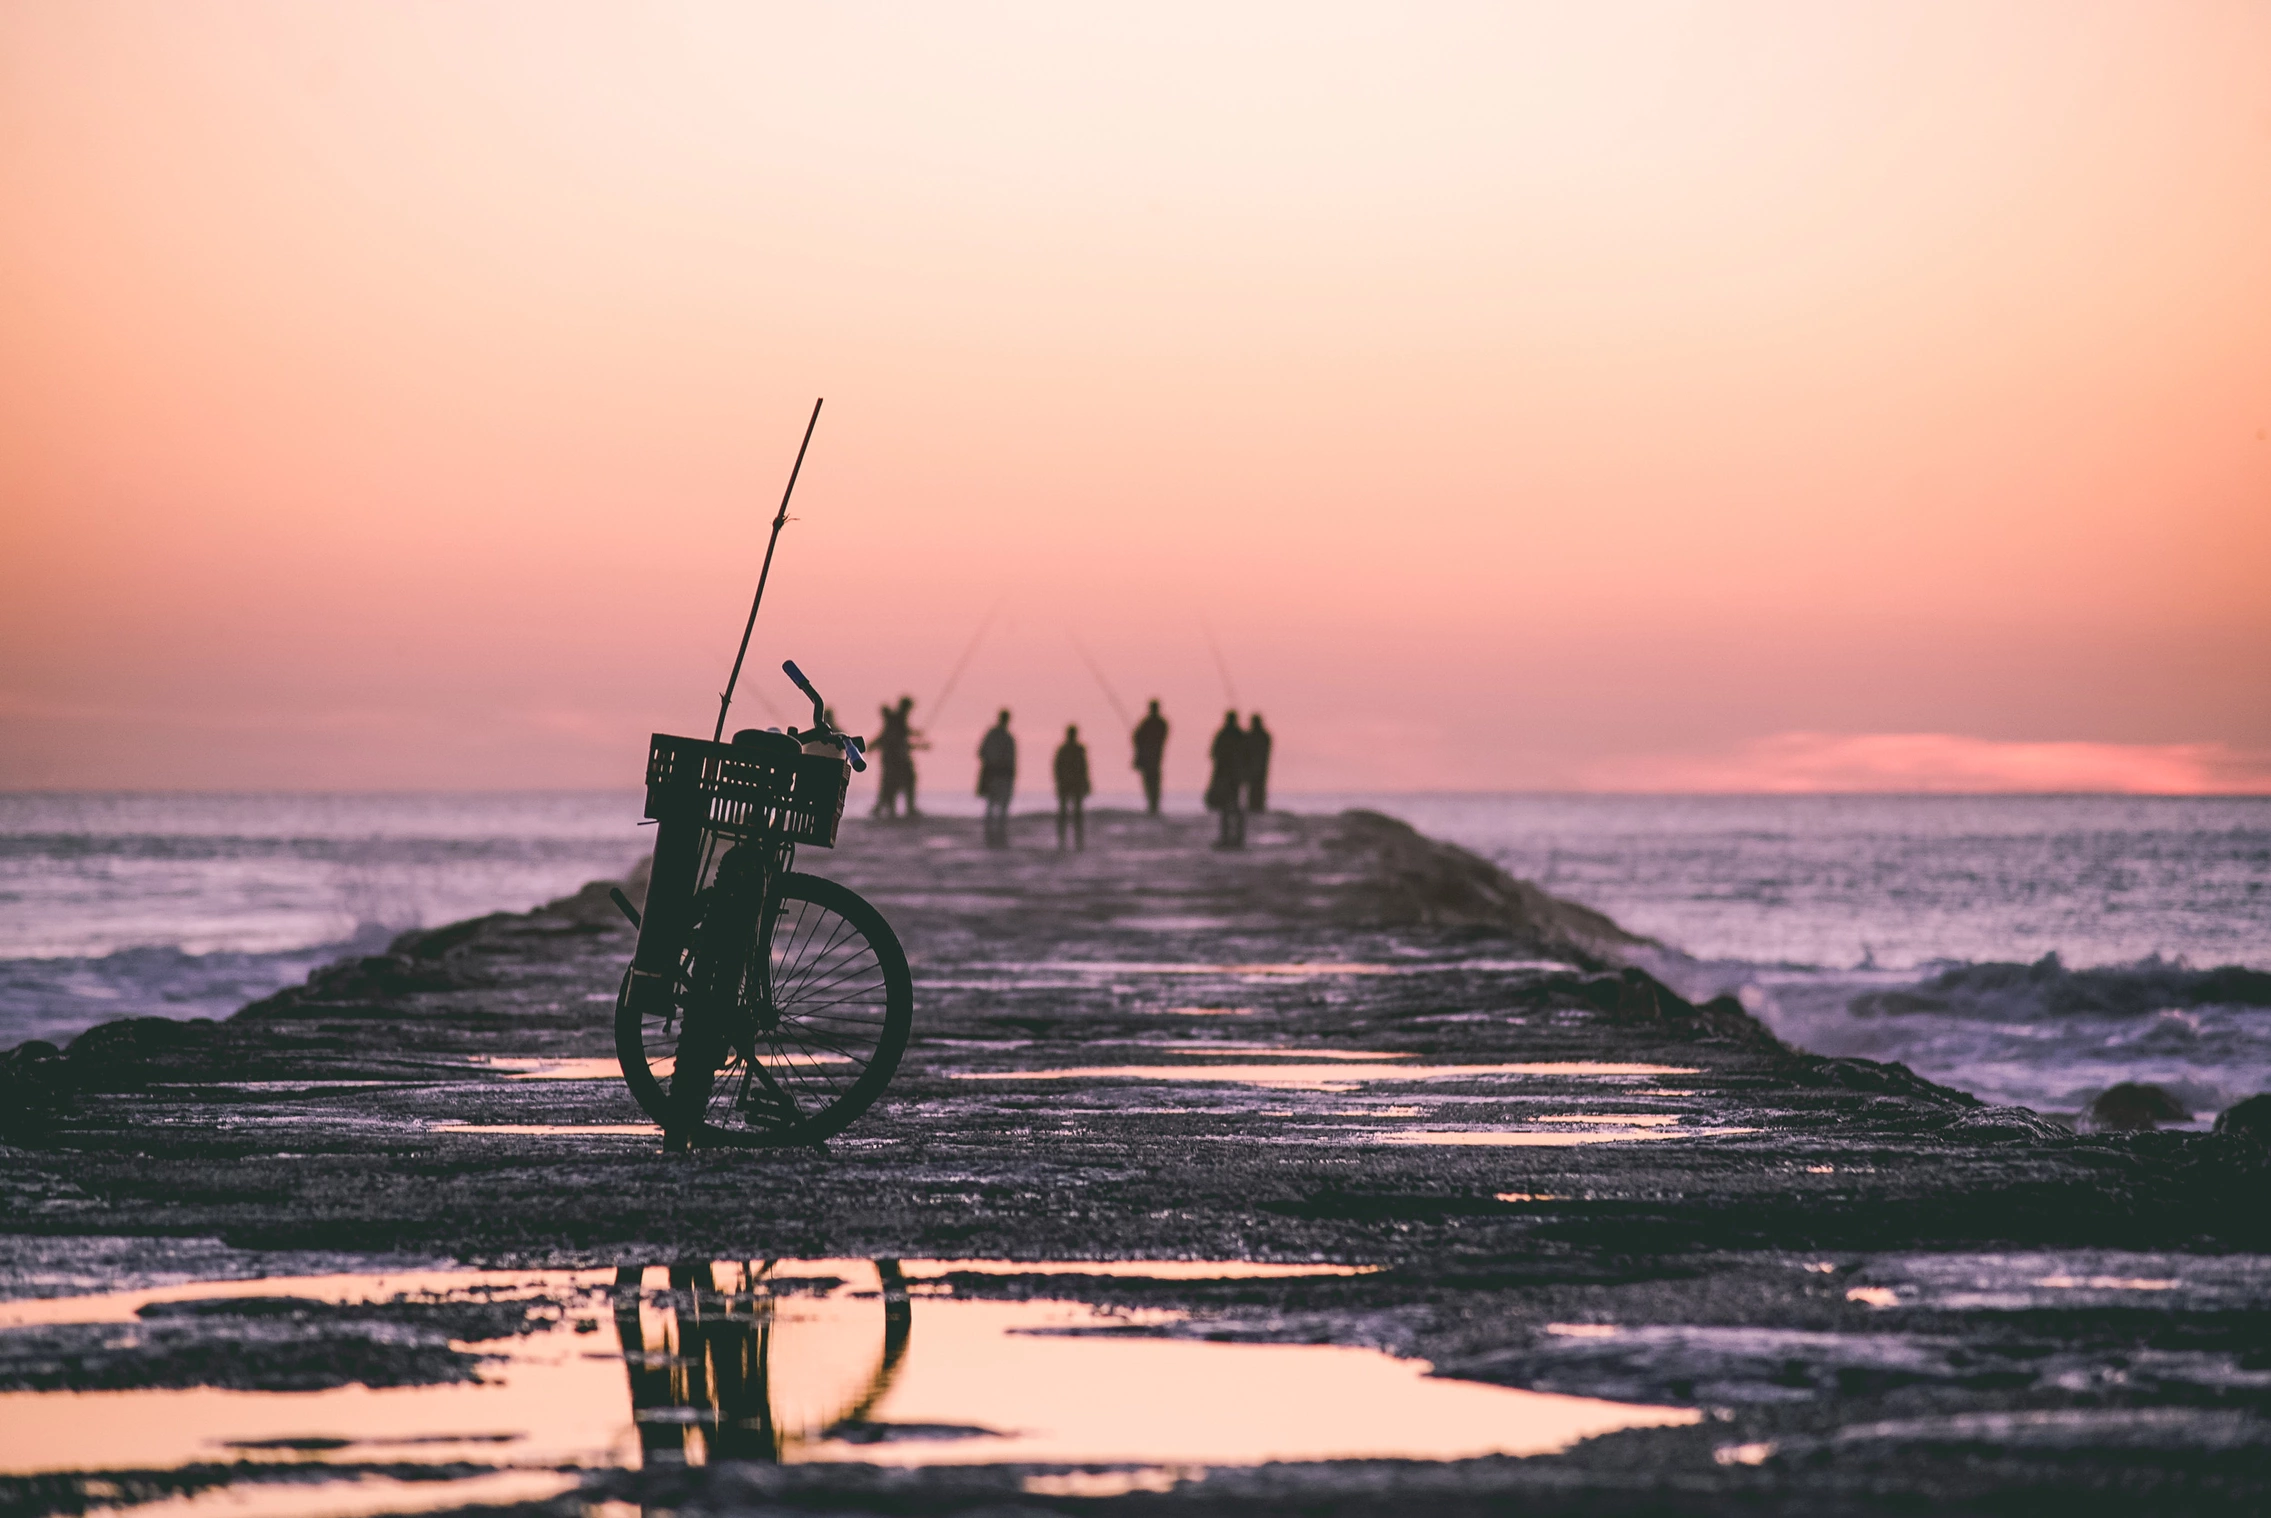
{"x":732,"y":941}
{"x":703,"y":984}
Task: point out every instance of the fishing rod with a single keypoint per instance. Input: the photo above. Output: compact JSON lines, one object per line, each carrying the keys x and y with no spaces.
{"x":780,"y":519}
{"x":1220,"y":667}
{"x":964,"y":662}
{"x":1105,"y":684}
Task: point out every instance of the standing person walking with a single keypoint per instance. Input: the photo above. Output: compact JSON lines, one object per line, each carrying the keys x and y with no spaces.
{"x":1150,"y":753}
{"x":1226,"y":787}
{"x":1257,"y":765}
{"x":1072,"y":789}
{"x":997,"y":779}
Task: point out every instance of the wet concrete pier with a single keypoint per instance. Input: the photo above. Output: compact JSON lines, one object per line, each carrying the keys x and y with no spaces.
{"x":1351,"y":1093}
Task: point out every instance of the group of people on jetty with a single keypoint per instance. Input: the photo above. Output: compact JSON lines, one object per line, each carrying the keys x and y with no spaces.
{"x":1238,"y":781}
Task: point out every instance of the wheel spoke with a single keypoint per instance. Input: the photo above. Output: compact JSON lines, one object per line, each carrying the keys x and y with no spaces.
{"x":854,"y":968}
{"x":808,"y":1038}
{"x":803,"y":947}
{"x":840,"y":931}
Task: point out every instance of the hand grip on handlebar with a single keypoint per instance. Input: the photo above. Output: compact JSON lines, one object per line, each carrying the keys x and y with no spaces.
{"x":856,"y":752}
{"x":819,"y":707}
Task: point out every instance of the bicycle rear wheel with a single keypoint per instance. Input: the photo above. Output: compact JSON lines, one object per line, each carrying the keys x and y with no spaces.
{"x":812,"y":1038}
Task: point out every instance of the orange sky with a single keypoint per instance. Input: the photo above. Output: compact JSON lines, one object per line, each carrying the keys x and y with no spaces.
{"x":1689,"y":396}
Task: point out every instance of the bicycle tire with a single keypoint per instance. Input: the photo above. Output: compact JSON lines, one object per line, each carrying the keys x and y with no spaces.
{"x":843,"y":1003}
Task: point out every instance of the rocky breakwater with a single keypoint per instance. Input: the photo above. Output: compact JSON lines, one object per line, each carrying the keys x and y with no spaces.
{"x":1348,"y":1044}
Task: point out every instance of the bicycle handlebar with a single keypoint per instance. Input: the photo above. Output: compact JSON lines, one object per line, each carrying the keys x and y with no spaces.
{"x":855,"y":752}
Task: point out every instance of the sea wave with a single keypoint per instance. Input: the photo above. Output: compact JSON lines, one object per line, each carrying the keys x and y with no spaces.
{"x":2048,"y":988}
{"x":2040,"y":1035}
{"x":56,"y":998}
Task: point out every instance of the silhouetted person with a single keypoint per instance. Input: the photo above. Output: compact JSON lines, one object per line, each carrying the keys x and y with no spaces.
{"x":895,"y":744}
{"x":1257,"y":765}
{"x":1226,"y":787}
{"x":997,"y":780}
{"x":1150,"y":753}
{"x":1072,"y":788}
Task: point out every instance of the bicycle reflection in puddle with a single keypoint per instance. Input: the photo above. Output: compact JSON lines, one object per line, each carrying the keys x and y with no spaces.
{"x":701,"y":1363}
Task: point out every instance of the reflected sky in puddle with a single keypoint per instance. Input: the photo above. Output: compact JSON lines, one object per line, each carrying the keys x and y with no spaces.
{"x":1612,"y":1132}
{"x":551,"y":1068}
{"x":1304,"y":968}
{"x":1141,"y":1270}
{"x":1293,"y":969}
{"x":359,"y":1497}
{"x":1327,"y":1075}
{"x":803,"y":1361}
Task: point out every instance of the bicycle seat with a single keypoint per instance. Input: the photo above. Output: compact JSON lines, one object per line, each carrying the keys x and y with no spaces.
{"x":773,"y":748}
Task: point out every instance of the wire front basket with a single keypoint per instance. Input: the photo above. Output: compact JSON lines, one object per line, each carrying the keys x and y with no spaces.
{"x":747,"y":793}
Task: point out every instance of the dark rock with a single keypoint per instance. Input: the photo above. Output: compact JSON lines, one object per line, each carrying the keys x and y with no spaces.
{"x":1878,"y":1077}
{"x":1634,"y":997}
{"x":2003,"y":1125}
{"x":2247,"y":1121}
{"x":2133,"y":1107}
{"x":1412,"y":880}
{"x":379,"y":975}
{"x":33,"y":1088}
{"x":124,"y":1055}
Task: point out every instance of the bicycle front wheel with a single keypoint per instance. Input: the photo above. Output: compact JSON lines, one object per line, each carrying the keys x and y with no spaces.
{"x":816,"y":1012}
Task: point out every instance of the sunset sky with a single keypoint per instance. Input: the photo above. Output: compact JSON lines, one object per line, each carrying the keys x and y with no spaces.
{"x":1664,"y":396}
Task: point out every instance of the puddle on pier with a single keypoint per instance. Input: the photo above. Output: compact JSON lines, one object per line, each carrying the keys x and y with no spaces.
{"x":1608,"y":1129}
{"x":548,"y":1068}
{"x":1268,"y":1051}
{"x":364,"y":1496}
{"x":608,"y":1068}
{"x":1302,"y":969}
{"x":780,"y":1361}
{"x":1272,"y":970}
{"x":1329,"y":1072}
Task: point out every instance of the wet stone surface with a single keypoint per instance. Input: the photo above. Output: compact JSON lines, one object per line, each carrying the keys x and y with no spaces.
{"x":1858,"y":1291}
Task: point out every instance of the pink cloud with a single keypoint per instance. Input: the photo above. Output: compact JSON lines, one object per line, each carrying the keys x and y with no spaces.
{"x":1947,"y":762}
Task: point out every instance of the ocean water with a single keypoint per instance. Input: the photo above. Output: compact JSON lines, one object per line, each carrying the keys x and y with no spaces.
{"x":191,"y":906}
{"x":1897,"y":882}
{"x":2033,"y":950}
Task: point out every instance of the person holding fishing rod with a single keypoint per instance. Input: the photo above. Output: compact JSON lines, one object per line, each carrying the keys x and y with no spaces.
{"x":1226,"y":787}
{"x":997,"y":780}
{"x":895,"y":744}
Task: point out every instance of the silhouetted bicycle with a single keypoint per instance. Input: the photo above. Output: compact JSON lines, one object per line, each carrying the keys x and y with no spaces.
{"x":762,"y":1006}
